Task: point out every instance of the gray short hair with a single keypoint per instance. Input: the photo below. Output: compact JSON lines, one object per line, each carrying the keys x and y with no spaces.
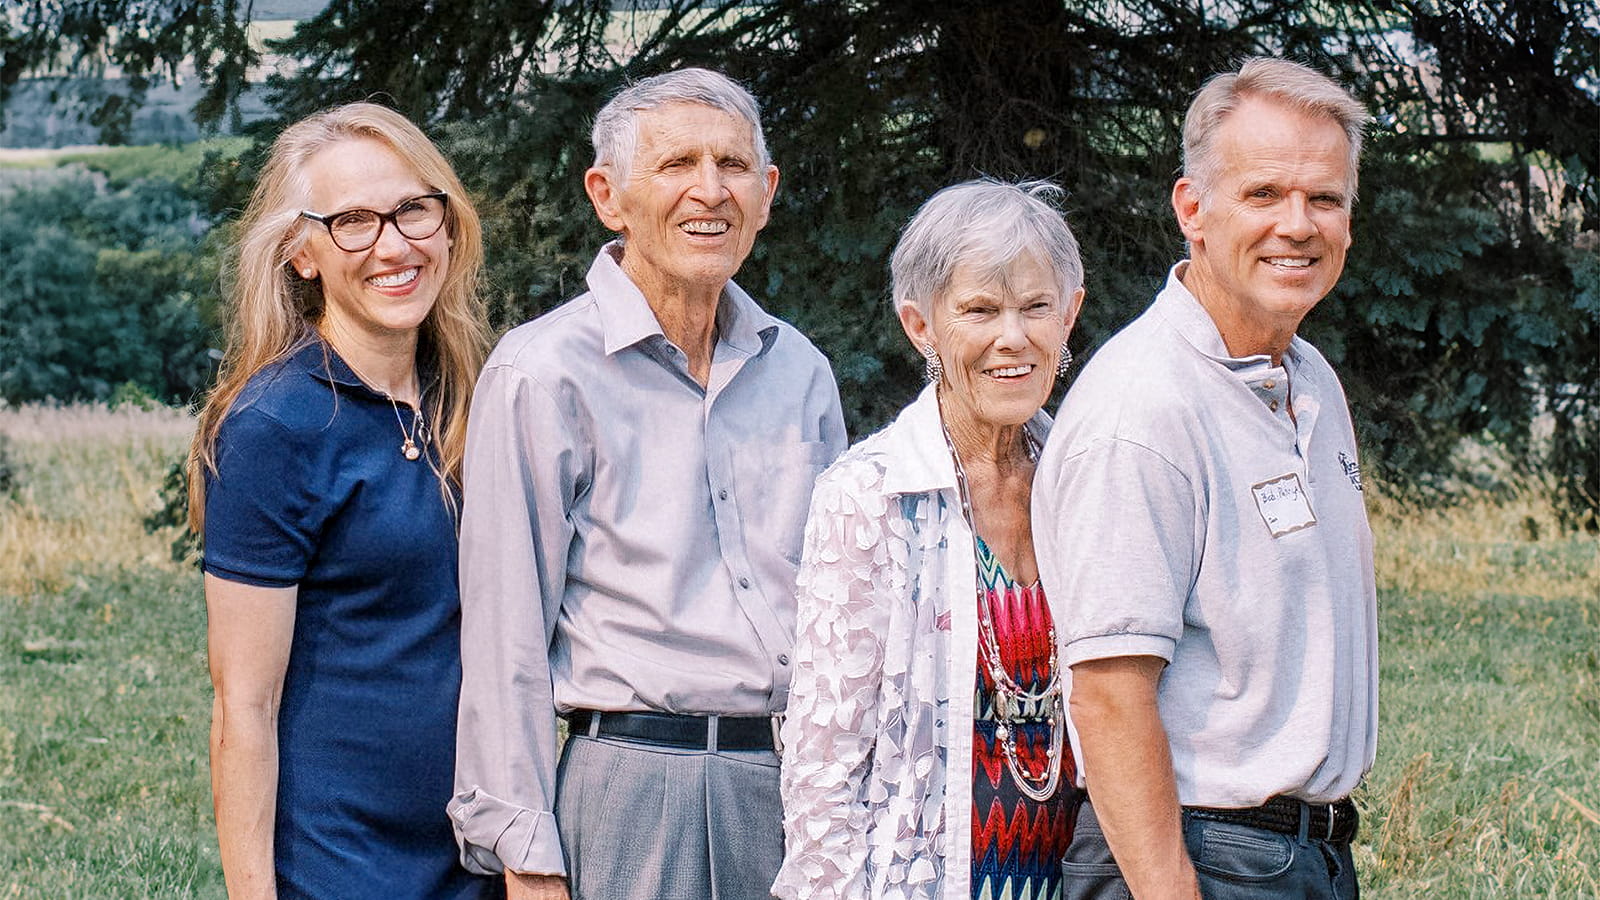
{"x":1297,"y":86}
{"x":616,"y":127}
{"x":987,"y":224}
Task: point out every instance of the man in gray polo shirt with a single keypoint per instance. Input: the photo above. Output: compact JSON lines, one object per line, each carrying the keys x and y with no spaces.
{"x":1199,"y":518}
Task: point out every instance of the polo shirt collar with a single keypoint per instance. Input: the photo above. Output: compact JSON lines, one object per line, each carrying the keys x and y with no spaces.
{"x":626,"y":317}
{"x":317,"y":358}
{"x":1182,"y":310}
{"x":922,"y":462}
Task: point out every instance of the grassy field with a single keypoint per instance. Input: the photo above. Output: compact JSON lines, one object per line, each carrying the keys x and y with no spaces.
{"x":1487,"y":783}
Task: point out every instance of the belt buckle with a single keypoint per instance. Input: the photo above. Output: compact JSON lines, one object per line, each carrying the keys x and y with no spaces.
{"x":1333,"y":818}
{"x":777,"y":733}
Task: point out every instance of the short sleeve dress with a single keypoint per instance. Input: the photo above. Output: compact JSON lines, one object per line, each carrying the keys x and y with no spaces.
{"x":312,"y":490}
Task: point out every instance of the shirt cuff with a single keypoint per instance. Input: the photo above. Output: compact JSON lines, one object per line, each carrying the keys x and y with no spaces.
{"x":227,"y":574}
{"x":496,"y":835}
{"x":1107,"y":646}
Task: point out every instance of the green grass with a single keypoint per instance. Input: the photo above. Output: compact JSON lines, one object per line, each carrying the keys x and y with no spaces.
{"x":173,"y":162}
{"x":178,"y":163}
{"x":1487,"y":783}
{"x":1488,"y":774}
{"x":104,"y":699}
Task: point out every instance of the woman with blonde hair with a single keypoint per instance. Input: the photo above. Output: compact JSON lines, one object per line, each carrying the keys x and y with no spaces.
{"x":324,"y":478}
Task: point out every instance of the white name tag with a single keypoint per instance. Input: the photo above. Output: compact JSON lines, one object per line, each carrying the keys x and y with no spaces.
{"x":1283,"y":504}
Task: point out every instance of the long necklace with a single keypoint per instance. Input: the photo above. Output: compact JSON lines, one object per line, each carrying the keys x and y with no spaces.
{"x":419,"y":432}
{"x":1010,"y":697}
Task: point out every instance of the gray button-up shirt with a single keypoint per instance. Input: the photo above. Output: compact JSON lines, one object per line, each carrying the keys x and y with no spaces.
{"x":629,"y":539}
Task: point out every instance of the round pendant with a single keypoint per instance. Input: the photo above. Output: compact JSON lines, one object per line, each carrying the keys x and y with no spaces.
{"x":410,"y":451}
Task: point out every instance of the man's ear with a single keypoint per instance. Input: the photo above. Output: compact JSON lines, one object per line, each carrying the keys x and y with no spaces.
{"x":1186,"y":206}
{"x":772,"y":191}
{"x":606,"y":197}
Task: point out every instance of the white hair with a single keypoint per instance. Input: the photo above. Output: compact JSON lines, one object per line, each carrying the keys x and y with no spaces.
{"x":616,"y":127}
{"x":985,"y":224}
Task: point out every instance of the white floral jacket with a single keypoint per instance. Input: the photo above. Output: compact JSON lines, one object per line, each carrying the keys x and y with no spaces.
{"x":885,"y":662}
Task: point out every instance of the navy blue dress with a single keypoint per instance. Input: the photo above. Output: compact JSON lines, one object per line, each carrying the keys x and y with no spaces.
{"x":312,"y":490}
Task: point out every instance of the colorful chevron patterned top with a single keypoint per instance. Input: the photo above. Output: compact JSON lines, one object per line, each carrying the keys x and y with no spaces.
{"x":1017,"y":842}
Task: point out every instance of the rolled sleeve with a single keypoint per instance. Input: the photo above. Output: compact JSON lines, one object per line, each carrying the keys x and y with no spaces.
{"x":1115,"y":528}
{"x":496,"y":834}
{"x":519,"y":478}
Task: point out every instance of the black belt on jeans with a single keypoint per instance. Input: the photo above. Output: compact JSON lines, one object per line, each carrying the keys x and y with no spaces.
{"x":1333,"y":822}
{"x":672,"y":730}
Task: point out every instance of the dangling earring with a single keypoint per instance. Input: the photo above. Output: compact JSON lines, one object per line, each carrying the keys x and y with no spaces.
{"x":932,"y":368}
{"x":1065,"y":362}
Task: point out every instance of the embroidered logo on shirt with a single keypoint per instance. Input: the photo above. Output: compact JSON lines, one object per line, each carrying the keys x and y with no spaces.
{"x":1283,"y":504}
{"x":1352,"y":470}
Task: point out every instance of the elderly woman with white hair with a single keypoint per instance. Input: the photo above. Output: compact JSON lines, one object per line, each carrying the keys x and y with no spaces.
{"x":925,"y":748}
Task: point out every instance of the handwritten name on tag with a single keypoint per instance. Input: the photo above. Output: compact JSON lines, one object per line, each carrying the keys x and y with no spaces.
{"x":1283,"y":504}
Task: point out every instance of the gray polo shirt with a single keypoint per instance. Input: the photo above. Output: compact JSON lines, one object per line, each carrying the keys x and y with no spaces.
{"x":1180,"y":512}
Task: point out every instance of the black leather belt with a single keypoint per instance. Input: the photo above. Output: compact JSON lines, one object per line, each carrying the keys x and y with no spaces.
{"x":671,"y":730}
{"x":1333,"y":822}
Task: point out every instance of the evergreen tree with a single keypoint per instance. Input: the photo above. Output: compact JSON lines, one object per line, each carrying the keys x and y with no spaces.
{"x":1470,"y":306}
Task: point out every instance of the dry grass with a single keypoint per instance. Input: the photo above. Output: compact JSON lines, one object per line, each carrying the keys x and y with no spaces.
{"x":1510,"y":546}
{"x":86,"y":478}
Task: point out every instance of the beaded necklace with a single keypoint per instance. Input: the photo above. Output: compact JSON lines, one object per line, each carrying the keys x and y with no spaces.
{"x":1009,"y":696}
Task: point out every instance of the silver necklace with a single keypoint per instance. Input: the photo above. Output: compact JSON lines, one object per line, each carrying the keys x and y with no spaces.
{"x":419,"y":432}
{"x":1010,"y":697}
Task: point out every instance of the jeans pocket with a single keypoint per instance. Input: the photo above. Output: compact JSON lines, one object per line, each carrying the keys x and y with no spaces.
{"x":1092,"y":881}
{"x":1088,"y":870}
{"x":1238,"y":854}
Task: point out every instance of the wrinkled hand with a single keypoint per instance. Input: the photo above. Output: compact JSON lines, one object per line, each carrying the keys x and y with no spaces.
{"x":535,"y":887}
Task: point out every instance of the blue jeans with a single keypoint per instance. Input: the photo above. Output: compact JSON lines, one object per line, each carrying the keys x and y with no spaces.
{"x":1233,"y":862}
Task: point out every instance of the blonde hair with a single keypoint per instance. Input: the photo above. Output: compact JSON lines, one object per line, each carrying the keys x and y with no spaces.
{"x":274,"y":312}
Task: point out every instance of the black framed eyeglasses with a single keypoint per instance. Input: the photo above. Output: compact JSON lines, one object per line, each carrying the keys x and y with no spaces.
{"x":355,"y":230}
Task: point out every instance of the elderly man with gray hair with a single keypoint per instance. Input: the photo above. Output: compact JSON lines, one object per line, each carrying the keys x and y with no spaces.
{"x":1199,"y":515}
{"x":639,"y":465}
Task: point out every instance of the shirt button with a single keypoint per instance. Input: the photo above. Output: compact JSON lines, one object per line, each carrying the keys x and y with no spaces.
{"x":744,"y":582}
{"x":1269,"y":385}
{"x":783,"y":659}
{"x":1273,"y":405}
{"x":722,"y":495}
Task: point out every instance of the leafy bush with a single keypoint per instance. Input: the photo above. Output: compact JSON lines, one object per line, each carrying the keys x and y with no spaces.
{"x":103,"y":288}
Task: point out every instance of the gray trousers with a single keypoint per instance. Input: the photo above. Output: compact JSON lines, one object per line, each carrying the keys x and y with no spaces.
{"x":643,"y":822}
{"x":1233,"y":862}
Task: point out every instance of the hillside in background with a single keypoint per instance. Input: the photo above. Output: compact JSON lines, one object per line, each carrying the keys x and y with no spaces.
{"x":51,"y":112}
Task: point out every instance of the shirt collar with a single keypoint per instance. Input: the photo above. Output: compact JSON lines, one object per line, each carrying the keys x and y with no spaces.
{"x":922,"y":460}
{"x":1182,"y":310}
{"x":317,"y":358}
{"x":626,"y":317}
